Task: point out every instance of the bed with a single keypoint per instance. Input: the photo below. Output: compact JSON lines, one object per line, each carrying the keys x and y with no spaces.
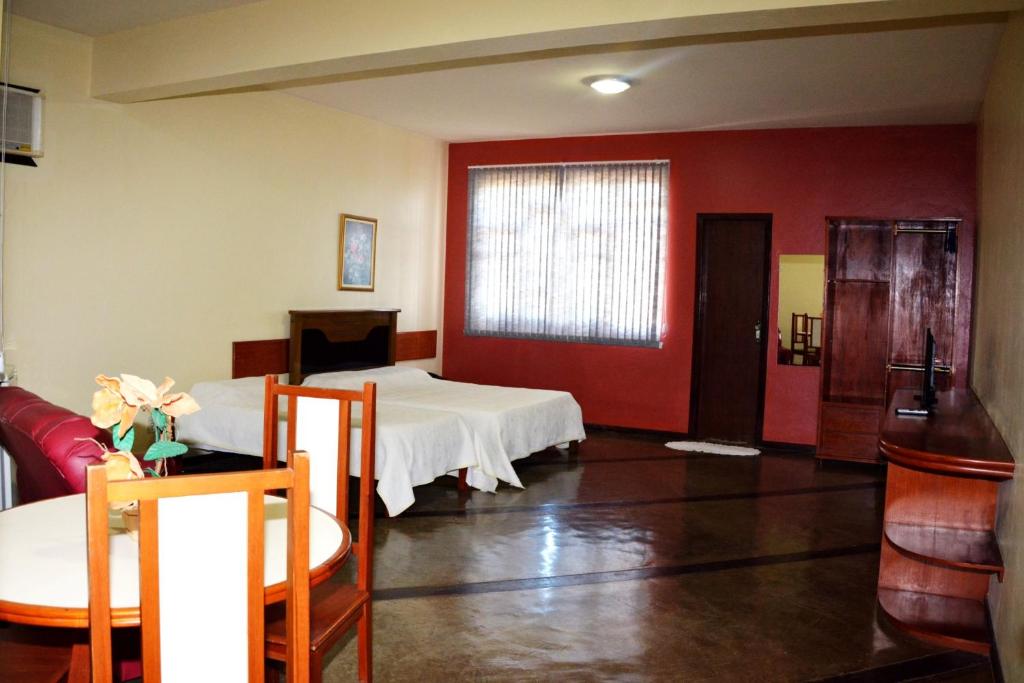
{"x":426,"y":427}
{"x":508,"y":423}
{"x":414,"y":446}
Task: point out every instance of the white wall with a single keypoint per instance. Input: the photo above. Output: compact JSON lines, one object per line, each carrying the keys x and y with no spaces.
{"x":998,"y":367}
{"x":154,"y":234}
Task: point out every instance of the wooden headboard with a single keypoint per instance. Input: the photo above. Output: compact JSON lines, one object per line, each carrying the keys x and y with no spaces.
{"x":328,"y":341}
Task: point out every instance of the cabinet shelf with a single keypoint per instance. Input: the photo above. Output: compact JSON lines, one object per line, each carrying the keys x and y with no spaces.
{"x":950,"y":622}
{"x":970,"y":549}
{"x":857,"y":281}
{"x":865,"y":401}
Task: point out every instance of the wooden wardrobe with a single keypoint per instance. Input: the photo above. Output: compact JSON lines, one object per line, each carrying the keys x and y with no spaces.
{"x":887,"y":280}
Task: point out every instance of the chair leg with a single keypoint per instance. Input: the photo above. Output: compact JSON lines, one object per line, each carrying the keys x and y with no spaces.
{"x":80,"y":669}
{"x":316,"y":667}
{"x":463,"y":486}
{"x":366,"y":645}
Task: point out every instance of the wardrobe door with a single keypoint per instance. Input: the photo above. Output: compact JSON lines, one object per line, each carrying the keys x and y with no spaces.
{"x":857,"y":311}
{"x":856,"y":338}
{"x":923,"y":296}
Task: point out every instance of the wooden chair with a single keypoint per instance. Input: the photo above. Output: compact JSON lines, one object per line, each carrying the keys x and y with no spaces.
{"x":198,"y":536}
{"x":320,"y":422}
{"x":799,"y":334}
{"x":32,"y":654}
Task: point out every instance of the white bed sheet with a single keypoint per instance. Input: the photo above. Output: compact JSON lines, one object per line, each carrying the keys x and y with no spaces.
{"x":414,"y":445}
{"x":509,"y":423}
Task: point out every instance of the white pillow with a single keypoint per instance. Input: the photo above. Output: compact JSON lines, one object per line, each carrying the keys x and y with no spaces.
{"x":390,"y":377}
{"x":244,"y":392}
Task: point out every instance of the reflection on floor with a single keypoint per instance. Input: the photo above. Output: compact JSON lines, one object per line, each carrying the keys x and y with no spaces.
{"x":633,"y":562}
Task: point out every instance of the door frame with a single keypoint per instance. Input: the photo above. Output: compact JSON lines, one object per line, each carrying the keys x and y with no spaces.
{"x":700,"y":301}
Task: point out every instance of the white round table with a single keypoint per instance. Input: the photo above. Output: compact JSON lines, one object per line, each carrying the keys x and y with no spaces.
{"x":44,"y":568}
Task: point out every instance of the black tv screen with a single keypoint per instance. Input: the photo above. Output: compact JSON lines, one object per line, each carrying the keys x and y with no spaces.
{"x":927,"y":397}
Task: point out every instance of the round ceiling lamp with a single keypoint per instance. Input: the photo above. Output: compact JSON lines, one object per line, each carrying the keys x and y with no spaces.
{"x":609,"y":85}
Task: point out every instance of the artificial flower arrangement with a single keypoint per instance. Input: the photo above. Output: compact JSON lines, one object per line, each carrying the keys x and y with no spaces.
{"x":115,"y":406}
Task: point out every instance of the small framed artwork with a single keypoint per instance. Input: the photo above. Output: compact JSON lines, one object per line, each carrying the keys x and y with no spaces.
{"x":357,"y":253}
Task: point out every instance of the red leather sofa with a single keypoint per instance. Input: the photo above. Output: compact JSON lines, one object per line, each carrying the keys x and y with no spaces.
{"x":49,"y":445}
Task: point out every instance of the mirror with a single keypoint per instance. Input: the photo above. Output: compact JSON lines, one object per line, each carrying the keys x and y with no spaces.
{"x":801,"y":301}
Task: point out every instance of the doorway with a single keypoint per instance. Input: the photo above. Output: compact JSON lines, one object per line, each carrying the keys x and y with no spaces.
{"x":731,"y":327}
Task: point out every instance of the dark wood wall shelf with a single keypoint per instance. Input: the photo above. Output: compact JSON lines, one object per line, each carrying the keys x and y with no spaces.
{"x":887,"y":280}
{"x":939,"y":544}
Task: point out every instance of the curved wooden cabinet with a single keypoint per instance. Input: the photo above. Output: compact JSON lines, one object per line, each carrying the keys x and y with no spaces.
{"x":939,"y":546}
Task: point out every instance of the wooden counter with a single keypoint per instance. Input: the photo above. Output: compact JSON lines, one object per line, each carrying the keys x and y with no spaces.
{"x":939,"y":546}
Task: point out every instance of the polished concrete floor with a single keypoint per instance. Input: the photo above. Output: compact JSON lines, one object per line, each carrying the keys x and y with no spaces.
{"x":633,"y":562}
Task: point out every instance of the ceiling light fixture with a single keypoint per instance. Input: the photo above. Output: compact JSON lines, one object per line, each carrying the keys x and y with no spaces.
{"x":608,"y":85}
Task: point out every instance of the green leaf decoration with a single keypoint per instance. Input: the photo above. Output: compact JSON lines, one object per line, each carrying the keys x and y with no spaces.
{"x":159,"y":420}
{"x":124,"y":443}
{"x":165,"y":449}
{"x":151,"y":472}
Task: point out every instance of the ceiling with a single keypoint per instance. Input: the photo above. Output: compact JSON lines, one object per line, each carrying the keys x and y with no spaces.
{"x":916,"y":76}
{"x":99,"y":17}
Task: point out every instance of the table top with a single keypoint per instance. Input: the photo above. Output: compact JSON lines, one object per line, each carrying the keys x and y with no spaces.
{"x":44,"y":566}
{"x":958,"y":438}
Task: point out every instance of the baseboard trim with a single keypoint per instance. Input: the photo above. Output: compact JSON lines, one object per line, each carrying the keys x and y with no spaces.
{"x":784,"y":446}
{"x":636,"y":431}
{"x":794,"y":448}
{"x":912,"y":669}
{"x":994,"y":659}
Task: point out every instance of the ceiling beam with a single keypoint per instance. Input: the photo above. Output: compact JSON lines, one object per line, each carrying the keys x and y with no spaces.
{"x":277,"y":42}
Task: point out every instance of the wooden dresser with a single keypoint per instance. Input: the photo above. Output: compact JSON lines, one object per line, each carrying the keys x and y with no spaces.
{"x":939,"y":545}
{"x":886,"y":282}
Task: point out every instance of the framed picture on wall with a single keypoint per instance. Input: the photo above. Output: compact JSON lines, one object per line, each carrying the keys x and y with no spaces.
{"x":357,"y":252}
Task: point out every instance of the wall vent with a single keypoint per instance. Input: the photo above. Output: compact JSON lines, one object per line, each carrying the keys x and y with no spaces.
{"x":23,"y":129}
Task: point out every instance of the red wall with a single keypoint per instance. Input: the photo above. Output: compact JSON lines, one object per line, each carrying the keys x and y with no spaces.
{"x":800,"y":176}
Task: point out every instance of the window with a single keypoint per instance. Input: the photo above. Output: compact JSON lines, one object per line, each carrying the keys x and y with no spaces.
{"x":570,"y":252}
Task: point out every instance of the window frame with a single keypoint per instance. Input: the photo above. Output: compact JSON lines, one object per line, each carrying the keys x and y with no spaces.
{"x":654,"y":248}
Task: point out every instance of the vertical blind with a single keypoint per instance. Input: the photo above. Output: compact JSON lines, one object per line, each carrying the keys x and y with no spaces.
{"x":570,"y":252}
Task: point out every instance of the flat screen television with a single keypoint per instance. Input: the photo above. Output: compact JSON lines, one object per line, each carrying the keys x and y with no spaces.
{"x":927,"y":398}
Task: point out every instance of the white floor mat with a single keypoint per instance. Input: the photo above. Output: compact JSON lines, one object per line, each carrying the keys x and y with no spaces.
{"x":708,"y":447}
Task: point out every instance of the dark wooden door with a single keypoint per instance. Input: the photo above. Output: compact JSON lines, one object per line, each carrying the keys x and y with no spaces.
{"x":732,"y":327}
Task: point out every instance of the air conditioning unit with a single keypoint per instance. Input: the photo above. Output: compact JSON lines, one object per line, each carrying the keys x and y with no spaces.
{"x":23,"y":133}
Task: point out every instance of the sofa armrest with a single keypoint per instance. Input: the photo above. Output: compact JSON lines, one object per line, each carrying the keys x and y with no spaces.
{"x":50,"y":445}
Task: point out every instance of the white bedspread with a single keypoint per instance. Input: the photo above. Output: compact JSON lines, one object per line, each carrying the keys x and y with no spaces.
{"x":509,"y":423}
{"x":414,"y":445}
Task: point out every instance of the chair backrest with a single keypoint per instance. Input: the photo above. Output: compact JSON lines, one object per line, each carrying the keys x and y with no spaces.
{"x":201,"y":572}
{"x":799,"y":332}
{"x":319,"y":422}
